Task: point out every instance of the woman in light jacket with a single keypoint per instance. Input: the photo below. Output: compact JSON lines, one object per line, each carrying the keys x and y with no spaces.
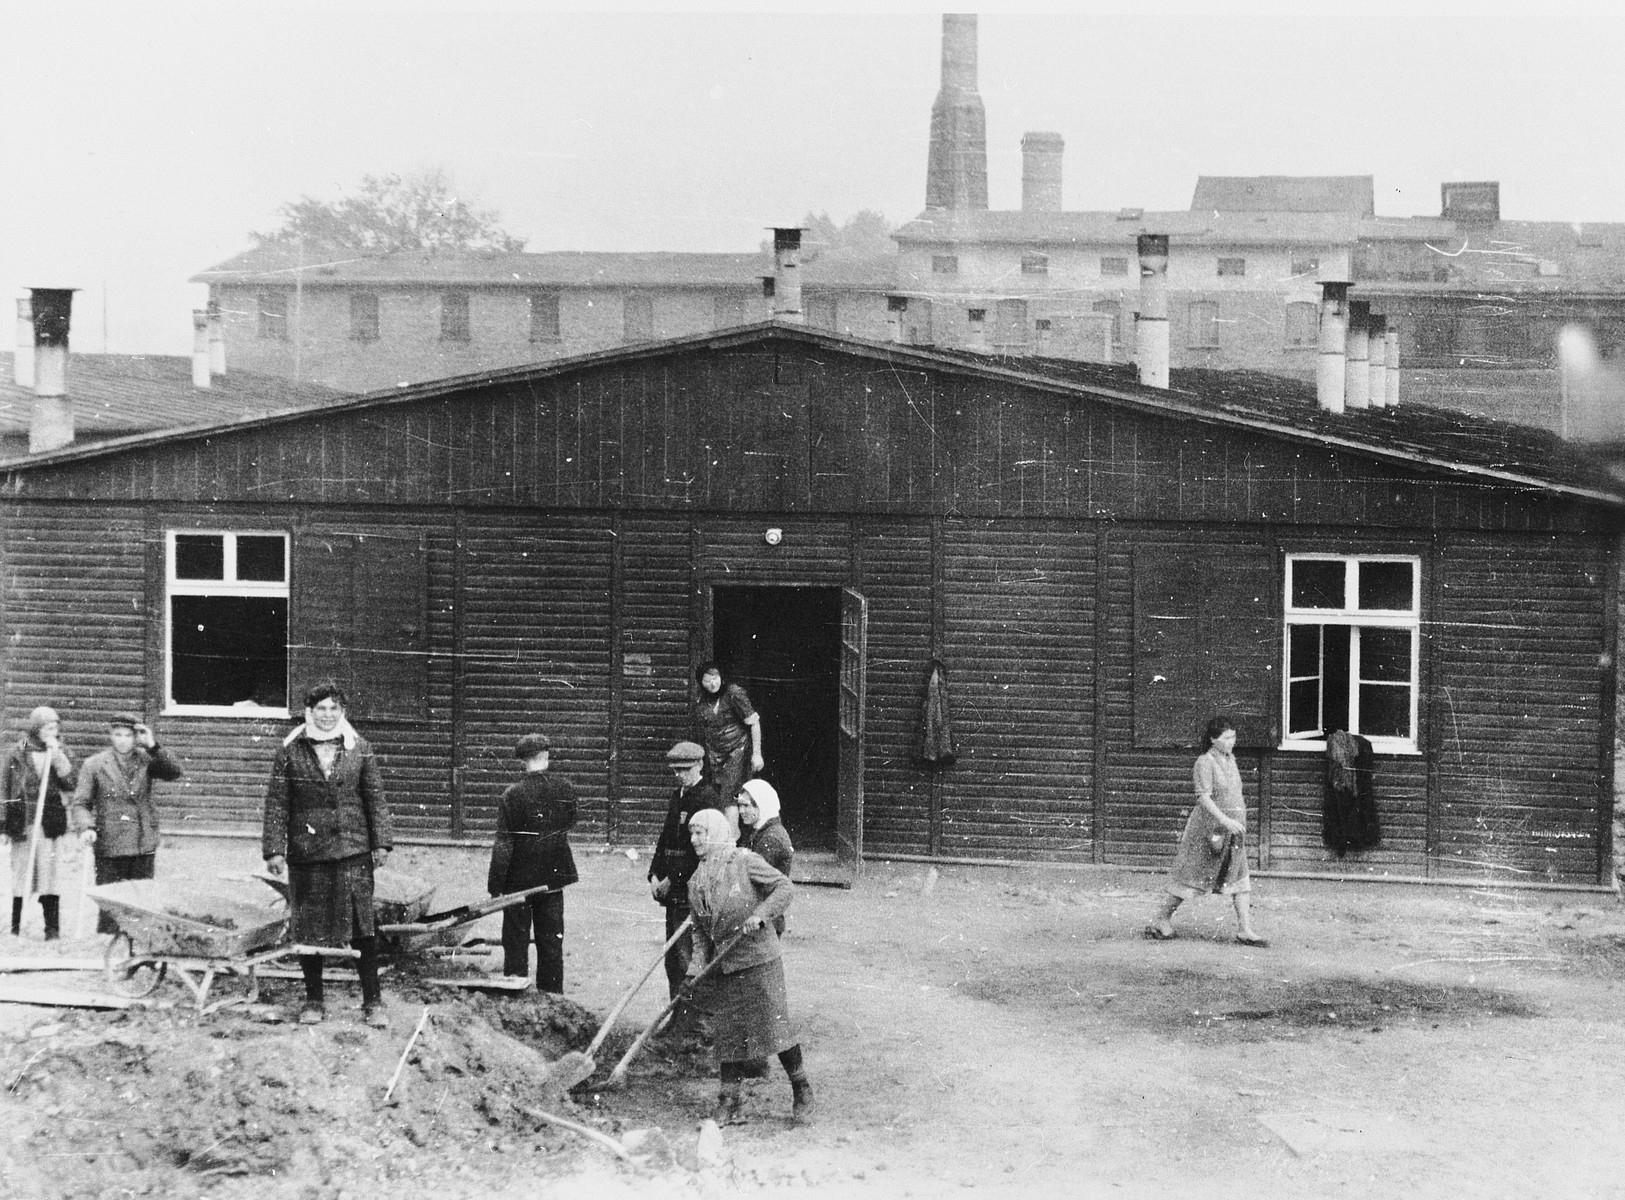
{"x":734,"y":896}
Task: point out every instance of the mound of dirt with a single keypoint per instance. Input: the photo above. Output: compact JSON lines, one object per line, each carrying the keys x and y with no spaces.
{"x":160,"y":1102}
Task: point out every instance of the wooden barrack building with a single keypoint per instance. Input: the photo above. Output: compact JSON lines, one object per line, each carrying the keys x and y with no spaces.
{"x":1096,"y":566}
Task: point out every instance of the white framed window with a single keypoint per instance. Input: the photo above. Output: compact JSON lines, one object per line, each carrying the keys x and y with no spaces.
{"x":226,"y":627}
{"x":1352,"y":652}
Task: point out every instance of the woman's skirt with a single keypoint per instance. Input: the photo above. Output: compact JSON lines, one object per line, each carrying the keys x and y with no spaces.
{"x":728,"y":771}
{"x":1199,"y":868}
{"x":331,"y":901}
{"x":752,"y":1016}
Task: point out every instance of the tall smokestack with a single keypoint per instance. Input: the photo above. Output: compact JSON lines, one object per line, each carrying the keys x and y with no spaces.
{"x":1151,"y":329}
{"x":1392,"y":398}
{"x":217,"y":339}
{"x":1379,"y":361}
{"x":1357,"y":378}
{"x":200,"y":348}
{"x":51,"y":424}
{"x":956,"y":168}
{"x":787,"y":275}
{"x":1331,"y":371}
{"x":22,"y":361}
{"x":1041,"y":171}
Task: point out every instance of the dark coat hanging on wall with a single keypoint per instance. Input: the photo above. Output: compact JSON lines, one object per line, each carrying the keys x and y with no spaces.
{"x":1348,"y":810}
{"x":936,"y":727}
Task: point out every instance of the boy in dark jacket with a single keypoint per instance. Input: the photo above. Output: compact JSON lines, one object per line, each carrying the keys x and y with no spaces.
{"x":532,"y":849}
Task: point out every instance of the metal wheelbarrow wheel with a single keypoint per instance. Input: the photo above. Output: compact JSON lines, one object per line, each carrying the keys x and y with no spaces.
{"x":128,"y":973}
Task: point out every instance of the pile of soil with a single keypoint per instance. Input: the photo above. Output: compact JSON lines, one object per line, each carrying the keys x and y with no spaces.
{"x":162,"y":1102}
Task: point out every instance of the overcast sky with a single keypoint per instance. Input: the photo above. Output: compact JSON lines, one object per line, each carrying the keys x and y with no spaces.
{"x":141,"y":143}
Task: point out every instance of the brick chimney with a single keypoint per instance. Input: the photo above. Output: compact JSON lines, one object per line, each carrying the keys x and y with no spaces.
{"x":1151,"y":328}
{"x":51,"y":425}
{"x":22,"y":361}
{"x":787,"y":275}
{"x":956,"y":167}
{"x":1041,"y":171}
{"x":1331,"y":372}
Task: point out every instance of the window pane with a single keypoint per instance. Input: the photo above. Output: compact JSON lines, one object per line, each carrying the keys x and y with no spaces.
{"x":1385,"y":654}
{"x":1232,"y":266}
{"x":1386,"y":585}
{"x":229,"y":650}
{"x":544,"y":316}
{"x":200,"y":556}
{"x":261,"y":559}
{"x":1385,"y":710}
{"x":1335,"y":677}
{"x":454,"y":325}
{"x":1112,"y":265}
{"x":1317,"y":583}
{"x":1303,"y":703}
{"x":1304,"y":658}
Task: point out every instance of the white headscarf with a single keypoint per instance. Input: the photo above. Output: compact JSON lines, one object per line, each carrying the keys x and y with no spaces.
{"x":342,"y":730}
{"x":767,"y":800}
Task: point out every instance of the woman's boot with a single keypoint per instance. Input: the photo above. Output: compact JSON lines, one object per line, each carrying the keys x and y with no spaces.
{"x":802,"y":1105}
{"x":728,"y":1100}
{"x":16,"y":916}
{"x":52,"y":906}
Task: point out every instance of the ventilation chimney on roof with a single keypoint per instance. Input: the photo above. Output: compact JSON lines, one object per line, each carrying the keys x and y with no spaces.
{"x":217,"y":339}
{"x":1391,"y":400}
{"x":1041,"y":171}
{"x":1330,"y":372}
{"x":1379,"y":361}
{"x":200,"y":348}
{"x":896,"y":310}
{"x":51,"y":424}
{"x":1151,"y":328}
{"x":787,"y":275}
{"x":22,"y":362}
{"x":1357,"y":377}
{"x":956,"y":166}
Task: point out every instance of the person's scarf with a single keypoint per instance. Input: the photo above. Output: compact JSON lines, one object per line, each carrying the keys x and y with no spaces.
{"x":767,"y":800}
{"x":714,"y":846}
{"x":308,"y":730}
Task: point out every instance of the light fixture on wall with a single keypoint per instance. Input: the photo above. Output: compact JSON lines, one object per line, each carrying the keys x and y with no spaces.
{"x":773,"y":536}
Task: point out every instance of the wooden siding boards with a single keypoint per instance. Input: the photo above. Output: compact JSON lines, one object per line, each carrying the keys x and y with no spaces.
{"x":536,"y":651}
{"x":896,"y":579}
{"x":1519,"y":641}
{"x":1020,"y":627}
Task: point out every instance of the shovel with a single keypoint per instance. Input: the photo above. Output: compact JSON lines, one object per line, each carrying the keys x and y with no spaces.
{"x":609,"y":1021}
{"x":618,"y":1075}
{"x":29,"y":891}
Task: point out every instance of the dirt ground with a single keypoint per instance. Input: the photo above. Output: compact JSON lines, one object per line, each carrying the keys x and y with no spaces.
{"x":1002,"y":1031}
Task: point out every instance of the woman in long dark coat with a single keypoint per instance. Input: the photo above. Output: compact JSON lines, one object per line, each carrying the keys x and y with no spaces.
{"x":734,"y":894}
{"x":1212,"y":854}
{"x":327,"y":825}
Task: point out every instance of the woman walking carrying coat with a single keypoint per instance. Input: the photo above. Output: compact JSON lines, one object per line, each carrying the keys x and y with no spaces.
{"x":1213,"y":849}
{"x":734,"y":893}
{"x":327,"y":825}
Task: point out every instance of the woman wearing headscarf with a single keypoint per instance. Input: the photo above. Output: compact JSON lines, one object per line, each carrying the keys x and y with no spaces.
{"x":1212,"y":853}
{"x":761,"y":830}
{"x":327,"y":825}
{"x":20,"y":777}
{"x":730,"y":729}
{"x":735,"y":896}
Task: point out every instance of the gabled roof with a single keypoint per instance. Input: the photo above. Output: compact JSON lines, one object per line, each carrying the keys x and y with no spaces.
{"x":1353,"y":194}
{"x":1110,"y":228}
{"x":1251,"y":402}
{"x":118,"y":394}
{"x":278,"y":264}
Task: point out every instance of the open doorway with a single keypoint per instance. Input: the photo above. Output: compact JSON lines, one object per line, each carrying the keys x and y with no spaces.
{"x":783,"y":645}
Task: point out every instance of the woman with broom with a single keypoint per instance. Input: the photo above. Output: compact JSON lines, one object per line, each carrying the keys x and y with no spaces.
{"x":735,"y":897}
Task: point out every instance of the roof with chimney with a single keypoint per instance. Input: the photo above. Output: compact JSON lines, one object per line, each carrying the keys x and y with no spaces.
{"x":1352,"y":194}
{"x":1249,"y":401}
{"x":115,"y":395}
{"x":281,"y":265}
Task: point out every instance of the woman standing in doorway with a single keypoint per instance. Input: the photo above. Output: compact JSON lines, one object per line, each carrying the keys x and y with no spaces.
{"x":327,"y":825}
{"x":1212,"y":853}
{"x":729,"y":728}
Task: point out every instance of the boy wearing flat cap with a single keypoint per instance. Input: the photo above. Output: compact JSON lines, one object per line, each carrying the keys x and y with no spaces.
{"x":674,"y":859}
{"x":532,"y":849}
{"x":113,"y":809}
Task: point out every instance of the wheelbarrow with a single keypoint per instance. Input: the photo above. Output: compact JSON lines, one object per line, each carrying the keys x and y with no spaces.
{"x":432,"y":927}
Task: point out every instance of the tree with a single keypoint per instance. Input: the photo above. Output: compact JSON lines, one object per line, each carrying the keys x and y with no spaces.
{"x":864,"y":232}
{"x":389,"y":213}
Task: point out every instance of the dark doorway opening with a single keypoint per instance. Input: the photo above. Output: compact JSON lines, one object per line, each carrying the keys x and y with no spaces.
{"x":783,"y":646}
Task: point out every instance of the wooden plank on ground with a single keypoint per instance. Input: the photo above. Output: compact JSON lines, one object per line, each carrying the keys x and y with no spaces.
{"x":11,"y":966}
{"x":13,"y":992}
